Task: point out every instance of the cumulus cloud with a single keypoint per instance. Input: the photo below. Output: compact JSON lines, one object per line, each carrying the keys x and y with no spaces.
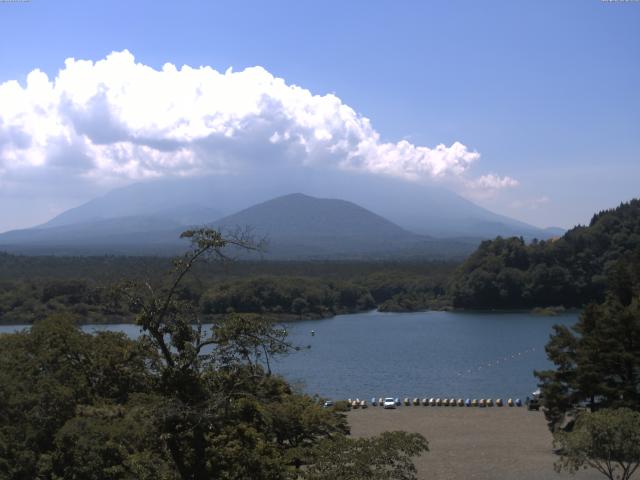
{"x":115,"y":120}
{"x":492,"y":182}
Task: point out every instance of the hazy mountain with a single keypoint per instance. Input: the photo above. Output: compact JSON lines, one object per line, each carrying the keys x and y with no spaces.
{"x":424,"y":209}
{"x":146,"y":218}
{"x":296,"y":226}
{"x":130,"y":203}
{"x":145,"y":230}
{"x":555,"y":231}
{"x":135,"y":235}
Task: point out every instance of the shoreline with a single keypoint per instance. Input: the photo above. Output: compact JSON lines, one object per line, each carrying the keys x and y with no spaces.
{"x":292,"y":318}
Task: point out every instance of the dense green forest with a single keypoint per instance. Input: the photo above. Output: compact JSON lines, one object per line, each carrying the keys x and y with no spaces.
{"x":32,"y":288}
{"x":569,"y":271}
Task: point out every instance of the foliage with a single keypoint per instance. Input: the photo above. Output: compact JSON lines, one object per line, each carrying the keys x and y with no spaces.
{"x":570,"y":271}
{"x":32,"y":288}
{"x":46,"y":374}
{"x":598,"y":360}
{"x":297,"y":296}
{"x":387,"y":457}
{"x":607,"y":440}
{"x":183,"y":401}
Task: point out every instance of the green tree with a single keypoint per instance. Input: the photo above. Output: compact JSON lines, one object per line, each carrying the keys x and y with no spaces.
{"x":387,"y":457}
{"x":184,"y":401}
{"x":607,"y":440}
{"x":598,"y":360}
{"x":47,"y":374}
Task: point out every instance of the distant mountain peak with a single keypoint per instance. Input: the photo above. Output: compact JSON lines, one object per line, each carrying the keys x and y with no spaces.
{"x":330,"y":212}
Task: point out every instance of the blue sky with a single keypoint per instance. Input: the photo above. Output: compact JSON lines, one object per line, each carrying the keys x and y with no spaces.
{"x":547,"y":92}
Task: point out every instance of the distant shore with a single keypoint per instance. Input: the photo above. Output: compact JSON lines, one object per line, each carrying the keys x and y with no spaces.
{"x":472,"y":443}
{"x":291,"y":318}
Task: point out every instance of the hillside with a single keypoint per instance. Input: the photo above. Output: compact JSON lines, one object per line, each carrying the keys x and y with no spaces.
{"x":301,"y":226}
{"x":297,"y":227}
{"x":420,"y":208}
{"x":569,"y":271}
{"x":147,"y":231}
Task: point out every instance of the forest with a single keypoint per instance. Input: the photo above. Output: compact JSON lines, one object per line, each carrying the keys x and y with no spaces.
{"x":570,"y":271}
{"x":32,"y":288}
{"x":505,"y":273}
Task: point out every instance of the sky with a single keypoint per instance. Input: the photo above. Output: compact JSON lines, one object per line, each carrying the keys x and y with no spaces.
{"x":530,"y":109}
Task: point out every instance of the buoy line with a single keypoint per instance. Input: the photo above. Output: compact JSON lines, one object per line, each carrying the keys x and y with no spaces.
{"x":496,"y":362}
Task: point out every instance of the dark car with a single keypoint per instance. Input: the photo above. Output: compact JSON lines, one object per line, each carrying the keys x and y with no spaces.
{"x":533,"y":404}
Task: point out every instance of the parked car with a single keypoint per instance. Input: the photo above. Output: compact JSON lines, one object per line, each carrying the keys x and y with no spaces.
{"x":389,"y":403}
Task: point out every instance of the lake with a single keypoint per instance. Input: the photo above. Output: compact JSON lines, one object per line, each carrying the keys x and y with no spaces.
{"x":424,"y":354}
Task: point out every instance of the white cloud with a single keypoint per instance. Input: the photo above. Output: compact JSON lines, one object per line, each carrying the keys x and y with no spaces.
{"x":117,"y":120}
{"x":492,"y":182}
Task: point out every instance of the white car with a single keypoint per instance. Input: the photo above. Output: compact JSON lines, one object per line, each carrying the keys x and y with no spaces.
{"x":389,"y":403}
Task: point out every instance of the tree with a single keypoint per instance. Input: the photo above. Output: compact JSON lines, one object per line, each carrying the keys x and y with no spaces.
{"x":568,"y":271}
{"x":185,"y":401}
{"x":598,"y":360}
{"x":47,"y":376}
{"x":607,"y":440}
{"x":387,"y":457}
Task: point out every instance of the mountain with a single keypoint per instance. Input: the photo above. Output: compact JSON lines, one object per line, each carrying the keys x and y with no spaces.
{"x":146,"y":218}
{"x":424,"y":209}
{"x":135,"y":235}
{"x":128,"y":204}
{"x":296,"y":226}
{"x":144,"y":231}
{"x":555,"y":231}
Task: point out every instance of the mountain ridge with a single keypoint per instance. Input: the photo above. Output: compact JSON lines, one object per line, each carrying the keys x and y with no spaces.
{"x":424,"y":209}
{"x":297,"y":225}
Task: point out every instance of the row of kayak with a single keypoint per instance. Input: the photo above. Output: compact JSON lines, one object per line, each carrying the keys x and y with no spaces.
{"x":436,"y":402}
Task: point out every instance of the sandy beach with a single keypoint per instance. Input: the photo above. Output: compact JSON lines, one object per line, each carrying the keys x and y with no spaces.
{"x":472,"y":443}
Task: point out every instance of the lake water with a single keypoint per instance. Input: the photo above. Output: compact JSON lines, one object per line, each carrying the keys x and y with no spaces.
{"x":425,"y":354}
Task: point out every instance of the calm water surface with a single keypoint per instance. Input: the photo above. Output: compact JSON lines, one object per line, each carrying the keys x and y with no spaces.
{"x":432,"y":354}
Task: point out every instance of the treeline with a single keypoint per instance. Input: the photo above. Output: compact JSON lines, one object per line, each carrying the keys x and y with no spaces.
{"x":25,"y":302}
{"x":286,"y":295}
{"x":110,"y":268}
{"x":570,"y":271}
{"x":351,"y":288}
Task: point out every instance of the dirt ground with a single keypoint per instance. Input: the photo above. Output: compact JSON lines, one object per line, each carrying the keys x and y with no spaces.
{"x":472,"y":443}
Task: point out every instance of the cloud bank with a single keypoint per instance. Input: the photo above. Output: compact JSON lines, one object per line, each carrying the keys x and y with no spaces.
{"x":116,"y":120}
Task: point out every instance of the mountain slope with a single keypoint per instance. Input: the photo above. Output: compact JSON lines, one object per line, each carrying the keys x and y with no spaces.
{"x":103,"y":231}
{"x":424,"y":209}
{"x":298,"y":226}
{"x":299,"y":215}
{"x":136,"y":235}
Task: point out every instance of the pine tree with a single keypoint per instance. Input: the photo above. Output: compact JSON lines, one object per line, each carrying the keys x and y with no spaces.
{"x":598,"y":360}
